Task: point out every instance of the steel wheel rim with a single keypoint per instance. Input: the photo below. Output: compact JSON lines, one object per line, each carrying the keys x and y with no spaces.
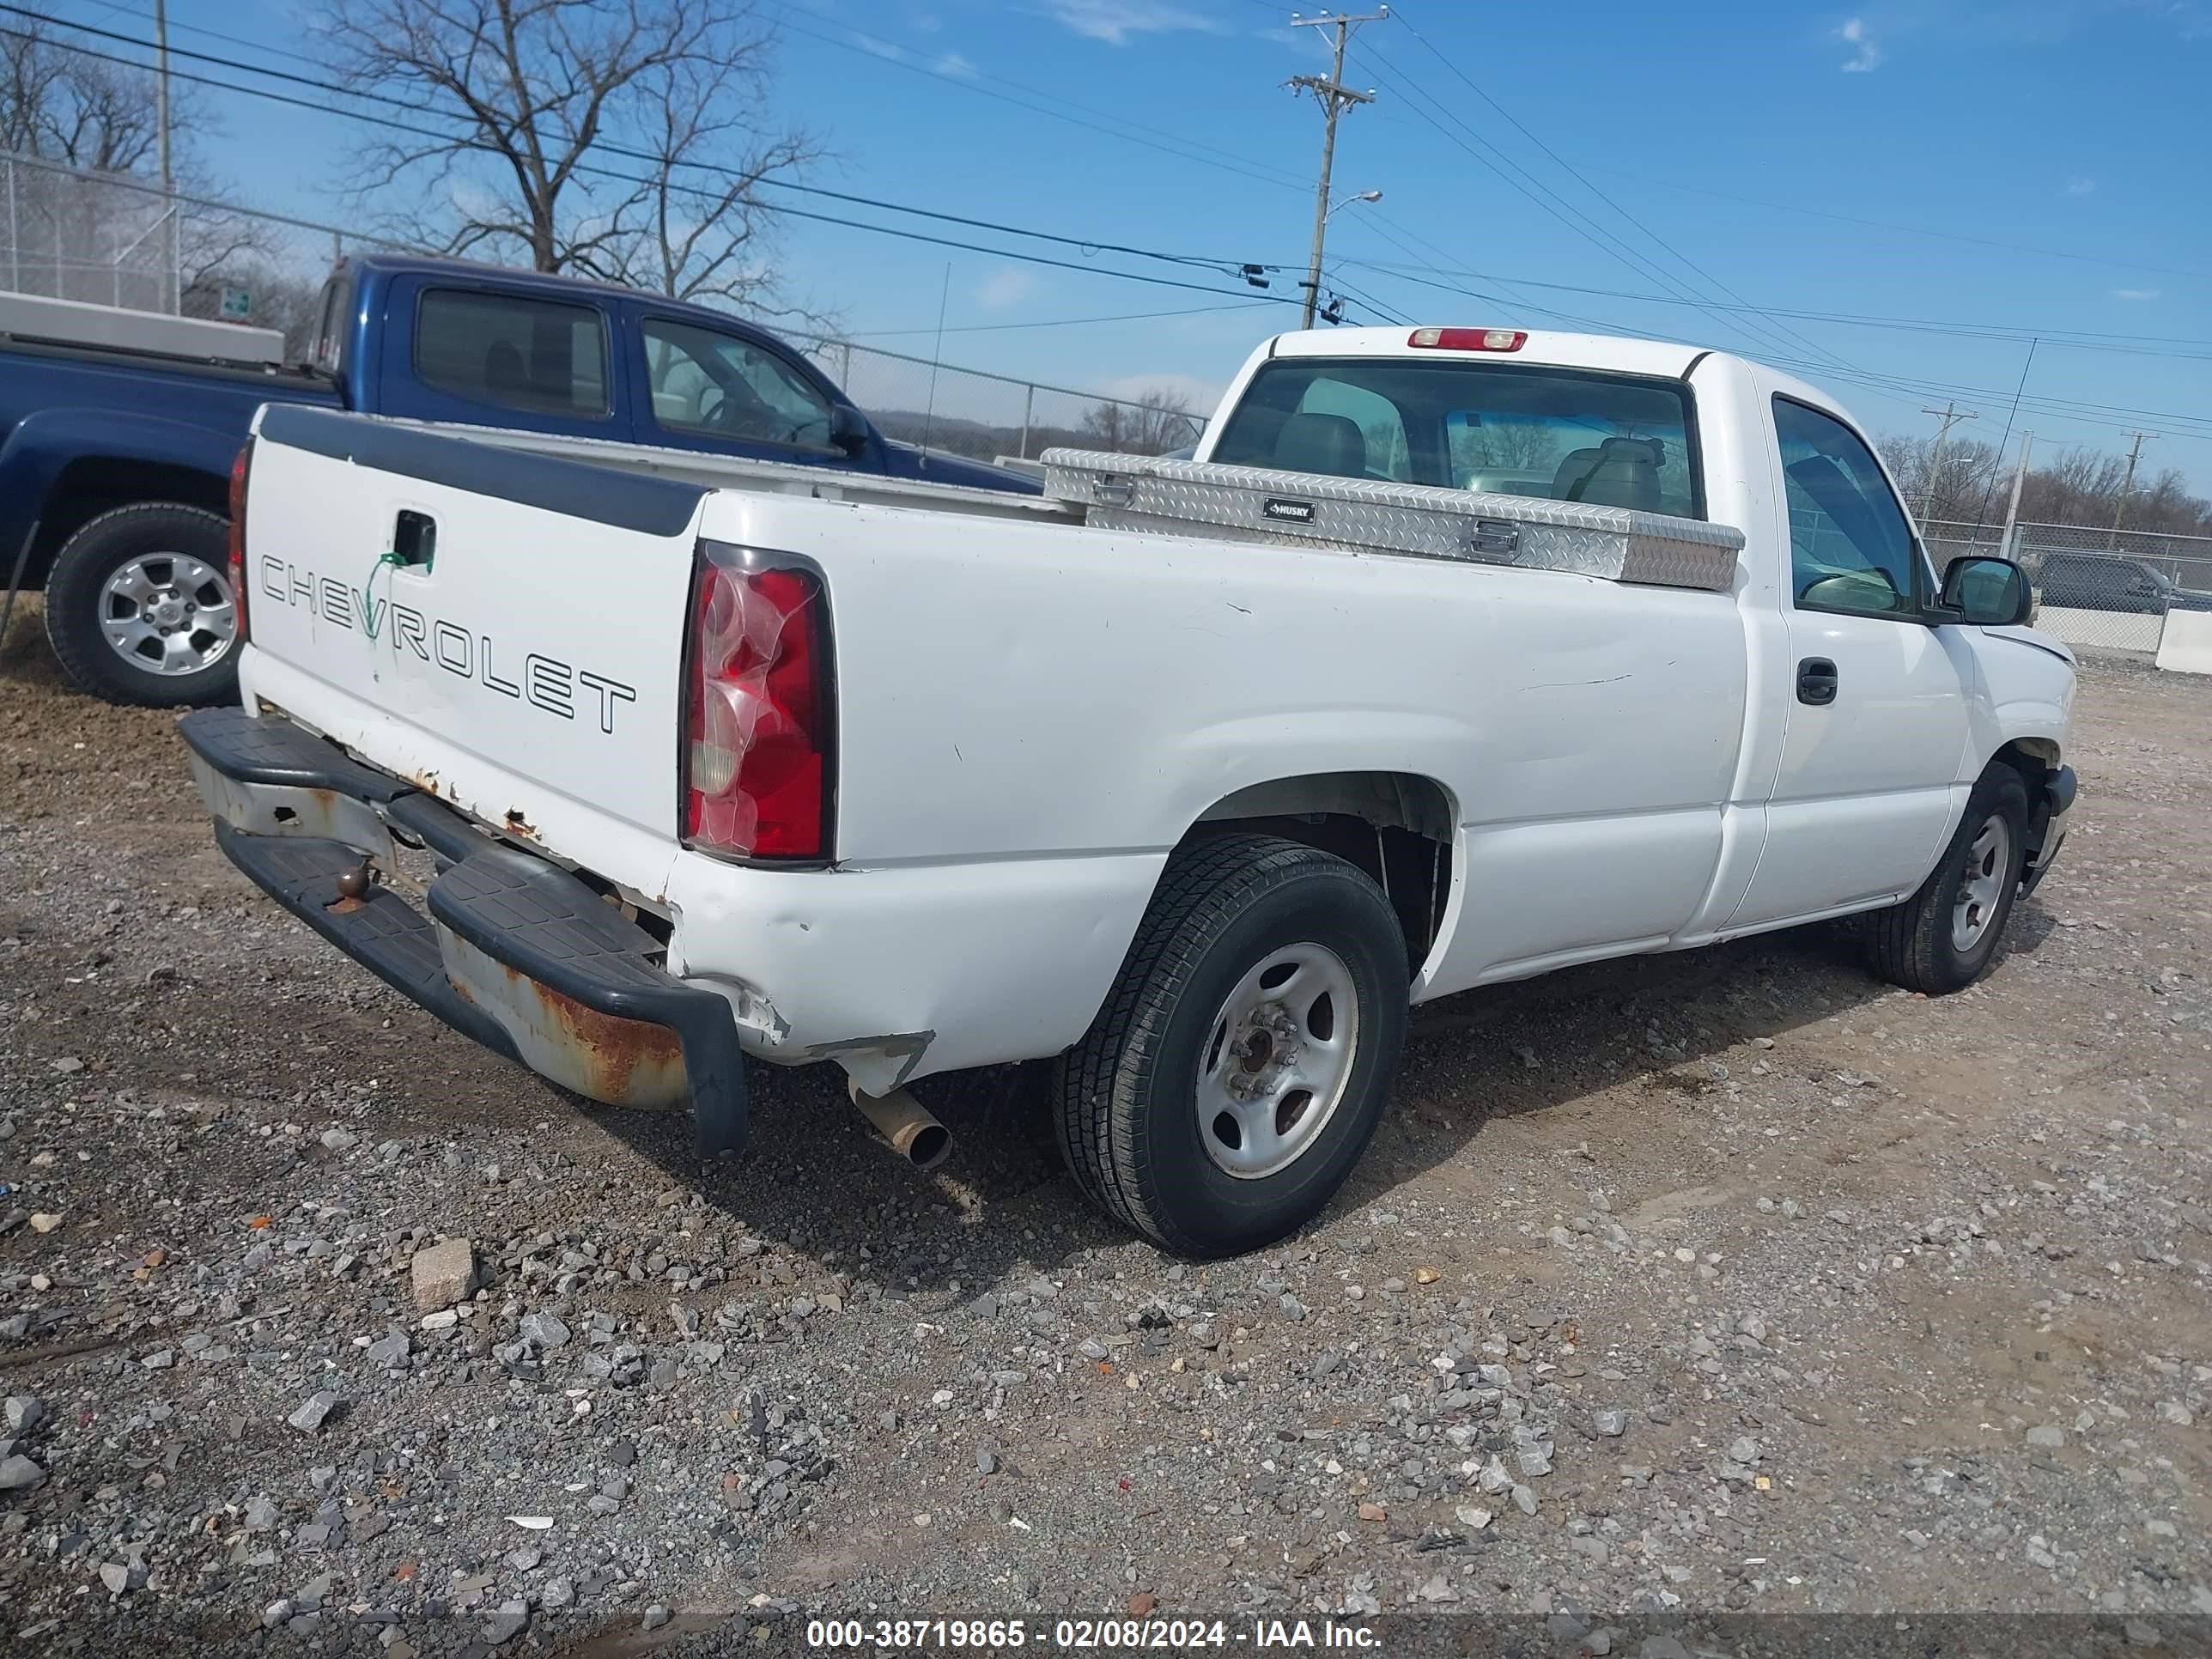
{"x":1278,"y":1061}
{"x":1981,"y":885}
{"x":168,"y":614}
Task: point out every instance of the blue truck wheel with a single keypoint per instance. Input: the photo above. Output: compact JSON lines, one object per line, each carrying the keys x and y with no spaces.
{"x":139,"y":608}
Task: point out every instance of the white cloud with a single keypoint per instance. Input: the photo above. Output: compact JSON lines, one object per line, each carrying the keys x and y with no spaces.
{"x":2079,"y":184}
{"x":881,"y":48}
{"x":1866,"y":56}
{"x":2135,"y":292}
{"x":953,"y":63}
{"x":1114,"y":20}
{"x":1007,"y":286}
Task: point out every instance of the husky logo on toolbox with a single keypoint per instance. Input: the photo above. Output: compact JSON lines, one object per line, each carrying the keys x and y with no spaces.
{"x":547,"y":683}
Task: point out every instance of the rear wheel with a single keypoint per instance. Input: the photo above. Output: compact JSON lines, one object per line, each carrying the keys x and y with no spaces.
{"x":1944,"y":937}
{"x":139,"y":607}
{"x":1241,"y":1062}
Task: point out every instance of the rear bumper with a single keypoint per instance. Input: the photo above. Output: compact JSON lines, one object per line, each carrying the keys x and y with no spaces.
{"x":513,"y":951}
{"x":2047,"y":827}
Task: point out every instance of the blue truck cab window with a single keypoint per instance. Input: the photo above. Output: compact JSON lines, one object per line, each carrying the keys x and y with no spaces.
{"x":513,"y":352}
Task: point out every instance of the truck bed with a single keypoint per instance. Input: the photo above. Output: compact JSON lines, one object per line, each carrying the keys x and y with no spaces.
{"x":1110,"y":491}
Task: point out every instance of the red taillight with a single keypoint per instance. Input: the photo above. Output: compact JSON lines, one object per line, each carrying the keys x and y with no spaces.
{"x":1468,"y":339}
{"x":238,"y":469}
{"x":756,"y":772}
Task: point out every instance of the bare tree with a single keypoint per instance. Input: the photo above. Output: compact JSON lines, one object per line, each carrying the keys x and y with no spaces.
{"x":615,"y":140}
{"x":694,"y":233}
{"x":60,"y":106}
{"x":1505,"y":446}
{"x":1149,"y":425}
{"x":2077,"y":485}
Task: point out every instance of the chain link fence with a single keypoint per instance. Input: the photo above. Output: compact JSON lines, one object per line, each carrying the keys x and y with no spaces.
{"x":2112,"y":588}
{"x":113,"y":239}
{"x":74,"y":236}
{"x":2094,"y":586}
{"x":968,"y":411}
{"x":1947,"y":539}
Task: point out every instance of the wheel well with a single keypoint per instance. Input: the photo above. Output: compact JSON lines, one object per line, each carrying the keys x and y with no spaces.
{"x":2035,"y":759}
{"x":1399,"y":826}
{"x":89,"y":488}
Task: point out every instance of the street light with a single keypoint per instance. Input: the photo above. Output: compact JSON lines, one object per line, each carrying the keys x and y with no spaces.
{"x":1312,"y":283}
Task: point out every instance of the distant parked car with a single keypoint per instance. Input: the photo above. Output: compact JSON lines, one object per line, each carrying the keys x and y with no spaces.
{"x":2107,"y":581}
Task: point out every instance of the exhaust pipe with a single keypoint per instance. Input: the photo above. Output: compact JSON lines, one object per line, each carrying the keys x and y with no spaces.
{"x":913,"y":1132}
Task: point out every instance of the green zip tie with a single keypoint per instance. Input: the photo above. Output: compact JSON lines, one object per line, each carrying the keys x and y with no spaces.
{"x":368,"y":592}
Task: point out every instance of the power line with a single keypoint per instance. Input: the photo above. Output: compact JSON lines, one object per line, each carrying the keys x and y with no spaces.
{"x":890,"y":52}
{"x":610,"y":147}
{"x":2061,"y":408}
{"x":1683,"y":259}
{"x":1337,"y":285}
{"x":1902,"y":388}
{"x":1057,"y":322}
{"x":1908,"y":230}
{"x":1183,"y":149}
{"x":1573,"y":217}
{"x":593,"y":170}
{"x":2088,"y":341}
{"x":1950,"y":414}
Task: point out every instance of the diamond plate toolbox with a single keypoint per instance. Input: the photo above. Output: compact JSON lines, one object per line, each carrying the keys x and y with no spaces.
{"x":1250,"y":503}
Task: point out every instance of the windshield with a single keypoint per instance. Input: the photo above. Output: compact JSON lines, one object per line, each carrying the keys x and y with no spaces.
{"x":1513,"y":430}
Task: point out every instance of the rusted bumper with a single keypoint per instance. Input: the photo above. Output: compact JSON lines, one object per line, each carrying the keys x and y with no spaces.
{"x":514,"y":951}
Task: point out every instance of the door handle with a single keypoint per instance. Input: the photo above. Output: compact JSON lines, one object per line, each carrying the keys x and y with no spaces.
{"x":1816,"y":681}
{"x":415,"y":539}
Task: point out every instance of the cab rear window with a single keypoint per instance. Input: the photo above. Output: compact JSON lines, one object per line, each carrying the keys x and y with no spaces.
{"x":1512,"y":429}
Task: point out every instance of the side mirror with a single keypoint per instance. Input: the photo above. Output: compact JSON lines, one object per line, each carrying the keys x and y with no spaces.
{"x":848,"y":429}
{"x":1988,"y":592}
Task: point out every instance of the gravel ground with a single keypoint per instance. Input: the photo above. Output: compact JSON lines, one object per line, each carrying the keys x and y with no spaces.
{"x":1721,"y":1281}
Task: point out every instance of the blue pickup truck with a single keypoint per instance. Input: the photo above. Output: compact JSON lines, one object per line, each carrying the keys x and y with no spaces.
{"x":115,"y":463}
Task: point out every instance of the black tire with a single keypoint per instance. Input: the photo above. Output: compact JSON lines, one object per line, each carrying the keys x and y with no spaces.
{"x":1912,"y":943}
{"x":1127,"y":1093}
{"x":77,"y":595}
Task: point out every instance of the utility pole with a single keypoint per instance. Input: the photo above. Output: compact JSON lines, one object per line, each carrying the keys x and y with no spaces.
{"x":2127,"y":485}
{"x":1950,"y":414}
{"x":1335,"y":97}
{"x":2019,"y":480}
{"x":161,"y":129}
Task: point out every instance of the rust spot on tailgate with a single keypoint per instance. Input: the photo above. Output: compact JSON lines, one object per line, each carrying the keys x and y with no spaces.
{"x":518,"y":825}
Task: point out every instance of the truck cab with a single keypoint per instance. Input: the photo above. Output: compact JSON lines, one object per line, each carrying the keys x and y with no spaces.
{"x":448,"y":341}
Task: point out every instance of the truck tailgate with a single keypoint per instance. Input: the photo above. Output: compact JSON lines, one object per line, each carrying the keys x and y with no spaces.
{"x":503,"y":629}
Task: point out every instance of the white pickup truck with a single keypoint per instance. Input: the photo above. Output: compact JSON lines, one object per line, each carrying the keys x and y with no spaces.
{"x":1453,"y":656}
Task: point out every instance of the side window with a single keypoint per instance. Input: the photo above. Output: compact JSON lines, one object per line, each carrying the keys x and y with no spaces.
{"x":537,"y":356}
{"x":718,"y":385}
{"x":330,"y":326}
{"x":1851,"y":545}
